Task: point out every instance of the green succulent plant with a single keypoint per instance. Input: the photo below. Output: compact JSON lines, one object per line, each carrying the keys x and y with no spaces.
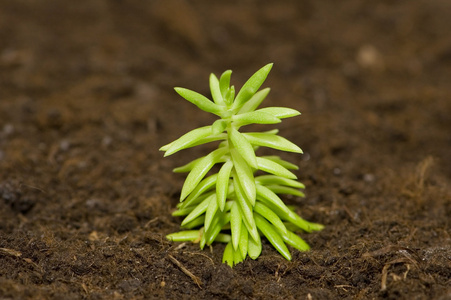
{"x":239,"y":203}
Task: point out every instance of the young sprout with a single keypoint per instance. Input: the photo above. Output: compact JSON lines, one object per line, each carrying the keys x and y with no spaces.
{"x":240,"y":203}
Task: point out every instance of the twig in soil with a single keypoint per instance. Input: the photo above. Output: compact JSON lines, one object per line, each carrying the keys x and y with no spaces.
{"x":194,"y":253}
{"x":405,"y":260}
{"x":185,"y":270}
{"x":10,"y":252}
{"x":150,"y":222}
{"x":17,"y":254}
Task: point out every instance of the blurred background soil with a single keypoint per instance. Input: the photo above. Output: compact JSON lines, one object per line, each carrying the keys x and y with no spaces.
{"x":86,"y":101}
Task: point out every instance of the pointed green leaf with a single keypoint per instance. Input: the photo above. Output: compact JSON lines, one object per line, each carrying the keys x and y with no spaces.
{"x":272,"y":201}
{"x":218,"y":126}
{"x":227,"y":257}
{"x":230,"y":96}
{"x":271,"y":216}
{"x":184,"y":236}
{"x":272,"y":141}
{"x":235,"y":224}
{"x":272,"y":235}
{"x":243,"y":147}
{"x":200,"y":101}
{"x":182,"y":212}
{"x":199,"y":170}
{"x":192,"y":202}
{"x":216,"y":226}
{"x":202,"y":187}
{"x":200,"y":209}
{"x":254,"y":117}
{"x":274,"y":168}
{"x":251,"y":86}
{"x":186,"y":140}
{"x":283,"y":163}
{"x":222,"y":184}
{"x":195,"y":223}
{"x":273,"y":179}
{"x":224,"y":83}
{"x":245,"y":210}
{"x":281,"y":112}
{"x":237,"y":258}
{"x":244,"y":241}
{"x":255,"y":101}
{"x":211,"y":212}
{"x":244,"y":175}
{"x":279,"y":189}
{"x":215,"y":90}
{"x":223,"y":238}
{"x":295,"y":241}
{"x":254,"y":248}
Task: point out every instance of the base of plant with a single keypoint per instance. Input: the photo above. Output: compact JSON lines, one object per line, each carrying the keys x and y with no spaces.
{"x":272,"y":219}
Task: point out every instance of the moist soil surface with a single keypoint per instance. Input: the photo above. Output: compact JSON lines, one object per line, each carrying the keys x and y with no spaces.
{"x":86,"y":101}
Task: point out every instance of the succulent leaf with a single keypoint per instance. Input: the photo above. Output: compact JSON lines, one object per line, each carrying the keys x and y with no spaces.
{"x":274,"y":168}
{"x":272,"y":141}
{"x":216,"y":90}
{"x":281,"y":112}
{"x":251,"y":86}
{"x":200,"y":101}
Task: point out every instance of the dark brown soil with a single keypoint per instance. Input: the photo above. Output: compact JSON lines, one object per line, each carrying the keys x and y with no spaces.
{"x":86,"y":101}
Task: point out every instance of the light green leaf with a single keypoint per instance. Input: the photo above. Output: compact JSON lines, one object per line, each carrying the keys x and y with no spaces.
{"x":255,"y":101}
{"x":283,"y":163}
{"x":199,"y":170}
{"x":237,"y":258}
{"x":223,"y":238}
{"x":184,"y":236}
{"x":227,"y":257}
{"x":246,"y":211}
{"x":251,"y":86}
{"x":273,"y":179}
{"x":274,"y":168}
{"x":272,"y":201}
{"x":202,"y":187}
{"x":307,"y":226}
{"x":192,"y":202}
{"x":218,"y":126}
{"x":211,"y":212}
{"x":279,"y":189}
{"x":272,"y":141}
{"x":243,"y":147}
{"x":254,"y":117}
{"x":224,"y":83}
{"x":200,"y":209}
{"x":235,"y":224}
{"x":254,"y":248}
{"x":295,"y":241}
{"x":244,"y":241}
{"x":216,"y":226}
{"x":182,"y":212}
{"x":244,"y":176}
{"x":272,"y":235}
{"x":216,"y":90}
{"x":281,"y":112}
{"x":230,"y":95}
{"x":271,"y":216}
{"x":195,"y":223}
{"x":200,"y":101}
{"x":186,"y":140}
{"x":222,"y":184}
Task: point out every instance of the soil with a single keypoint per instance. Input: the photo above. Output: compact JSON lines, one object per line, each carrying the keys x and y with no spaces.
{"x":86,"y":101}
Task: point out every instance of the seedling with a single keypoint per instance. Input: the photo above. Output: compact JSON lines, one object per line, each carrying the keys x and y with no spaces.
{"x":239,"y":203}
